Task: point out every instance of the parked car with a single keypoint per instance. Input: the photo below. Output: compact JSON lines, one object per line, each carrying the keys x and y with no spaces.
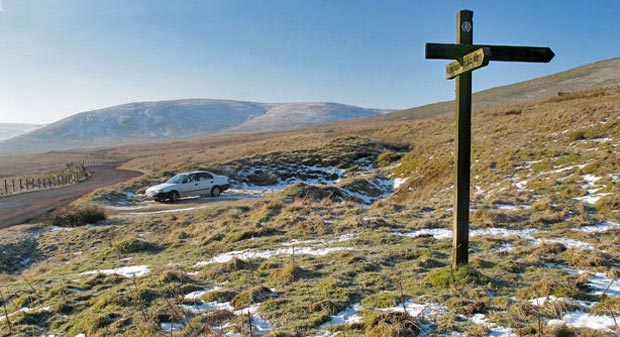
{"x":196,"y":183}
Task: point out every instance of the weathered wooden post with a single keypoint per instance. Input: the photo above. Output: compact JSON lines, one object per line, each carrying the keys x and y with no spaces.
{"x":469,"y":57}
{"x":13,"y":185}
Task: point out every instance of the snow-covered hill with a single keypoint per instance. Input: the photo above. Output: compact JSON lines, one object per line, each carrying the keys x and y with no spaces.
{"x":299,"y":115}
{"x":154,"y":121}
{"x":10,"y":130}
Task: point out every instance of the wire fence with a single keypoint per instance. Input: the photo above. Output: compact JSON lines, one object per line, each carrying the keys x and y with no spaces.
{"x":73,"y":174}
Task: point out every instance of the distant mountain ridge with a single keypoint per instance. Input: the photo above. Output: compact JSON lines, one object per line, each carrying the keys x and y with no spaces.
{"x":141,"y":122}
{"x":166,"y":120}
{"x":10,"y":130}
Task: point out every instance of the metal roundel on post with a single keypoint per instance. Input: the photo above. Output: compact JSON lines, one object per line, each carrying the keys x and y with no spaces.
{"x":468,"y":57}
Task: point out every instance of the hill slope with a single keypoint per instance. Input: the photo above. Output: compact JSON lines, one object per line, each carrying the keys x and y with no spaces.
{"x":312,"y":261}
{"x":10,"y":130}
{"x":598,"y":75}
{"x":151,"y":121}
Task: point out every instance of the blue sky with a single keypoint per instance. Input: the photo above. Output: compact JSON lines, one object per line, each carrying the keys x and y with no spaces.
{"x":60,"y":57}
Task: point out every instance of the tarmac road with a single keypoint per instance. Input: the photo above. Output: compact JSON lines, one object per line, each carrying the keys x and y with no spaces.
{"x":19,"y":208}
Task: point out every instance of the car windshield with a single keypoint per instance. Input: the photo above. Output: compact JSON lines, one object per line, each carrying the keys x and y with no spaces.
{"x":178,"y":179}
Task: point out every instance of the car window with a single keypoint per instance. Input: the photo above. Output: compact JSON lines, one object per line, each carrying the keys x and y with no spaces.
{"x":205,"y":176}
{"x":178,"y":179}
{"x":190,"y":179}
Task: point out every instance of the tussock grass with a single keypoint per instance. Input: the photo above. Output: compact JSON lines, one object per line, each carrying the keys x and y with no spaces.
{"x":77,"y":216}
{"x":531,"y":142}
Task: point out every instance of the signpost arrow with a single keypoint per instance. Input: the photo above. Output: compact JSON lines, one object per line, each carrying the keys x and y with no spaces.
{"x":468,"y":63}
{"x":446,"y":51}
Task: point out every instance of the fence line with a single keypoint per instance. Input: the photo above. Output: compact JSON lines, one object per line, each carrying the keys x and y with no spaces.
{"x":77,"y":173}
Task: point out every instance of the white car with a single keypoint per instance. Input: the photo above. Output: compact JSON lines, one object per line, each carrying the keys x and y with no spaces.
{"x":196,"y":183}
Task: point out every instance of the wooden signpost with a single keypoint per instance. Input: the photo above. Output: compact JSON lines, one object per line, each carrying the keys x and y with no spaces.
{"x":469,"y":57}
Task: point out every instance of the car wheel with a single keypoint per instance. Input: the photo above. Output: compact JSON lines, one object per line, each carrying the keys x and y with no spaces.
{"x":215,"y":191}
{"x":174,"y":196}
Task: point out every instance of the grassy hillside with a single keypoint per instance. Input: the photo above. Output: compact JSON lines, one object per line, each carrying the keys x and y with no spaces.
{"x":313,"y":261}
{"x":599,"y":75}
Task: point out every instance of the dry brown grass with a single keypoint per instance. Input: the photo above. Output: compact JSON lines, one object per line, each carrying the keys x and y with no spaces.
{"x":505,"y":138}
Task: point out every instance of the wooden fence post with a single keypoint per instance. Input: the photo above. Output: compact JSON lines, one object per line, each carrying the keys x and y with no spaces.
{"x":6,"y":188}
{"x":13,"y":184}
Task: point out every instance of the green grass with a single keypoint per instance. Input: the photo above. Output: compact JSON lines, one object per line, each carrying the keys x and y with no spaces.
{"x":378,"y":269}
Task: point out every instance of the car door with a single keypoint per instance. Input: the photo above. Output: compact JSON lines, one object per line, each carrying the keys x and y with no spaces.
{"x":190,"y":185}
{"x":205,"y":181}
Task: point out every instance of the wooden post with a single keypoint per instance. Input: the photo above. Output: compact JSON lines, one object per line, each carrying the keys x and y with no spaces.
{"x":464,"y":35}
{"x":21,"y":187}
{"x":13,"y":184}
{"x":469,"y":57}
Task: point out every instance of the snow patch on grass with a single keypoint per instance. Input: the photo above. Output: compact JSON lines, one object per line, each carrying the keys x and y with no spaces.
{"x":437,"y":233}
{"x":349,"y":315}
{"x":168,"y":326}
{"x":501,"y":233}
{"x":314,"y":248}
{"x":207,"y":306}
{"x":194,"y":295}
{"x":248,"y":254}
{"x":494,"y":329}
{"x":581,"y":319}
{"x":399,"y":181}
{"x":129,"y":271}
{"x":597,"y":228}
{"x":260,"y":326}
{"x":420,"y":309}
